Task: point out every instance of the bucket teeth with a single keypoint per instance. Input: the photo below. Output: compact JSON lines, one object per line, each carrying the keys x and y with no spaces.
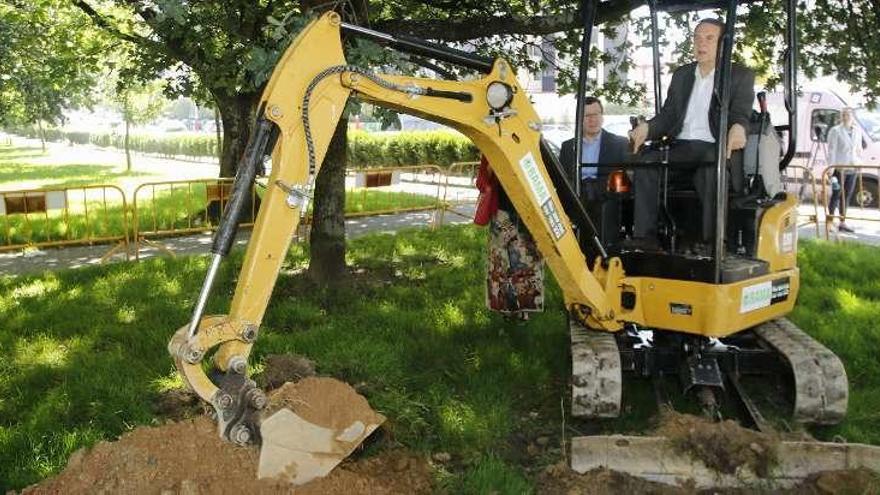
{"x":821,"y":386}
{"x":596,"y":373}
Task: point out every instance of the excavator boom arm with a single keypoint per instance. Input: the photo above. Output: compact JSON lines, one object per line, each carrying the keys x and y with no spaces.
{"x":304,"y":101}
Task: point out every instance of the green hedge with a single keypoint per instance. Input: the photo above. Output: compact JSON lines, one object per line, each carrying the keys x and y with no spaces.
{"x":364,"y":149}
{"x":408,"y":148}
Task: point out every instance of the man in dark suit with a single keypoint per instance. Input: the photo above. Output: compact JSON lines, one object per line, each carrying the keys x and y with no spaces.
{"x":689,"y":117}
{"x":598,"y":147}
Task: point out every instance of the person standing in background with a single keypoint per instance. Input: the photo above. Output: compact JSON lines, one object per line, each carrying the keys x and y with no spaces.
{"x":844,"y":148}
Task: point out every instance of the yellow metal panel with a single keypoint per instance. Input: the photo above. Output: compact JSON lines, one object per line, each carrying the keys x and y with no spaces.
{"x":315,"y":49}
{"x":717,"y":310}
{"x":777,"y":241}
{"x":512,"y":147}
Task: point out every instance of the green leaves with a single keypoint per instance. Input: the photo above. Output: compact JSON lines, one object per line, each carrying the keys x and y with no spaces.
{"x":49,"y":60}
{"x":260,"y":64}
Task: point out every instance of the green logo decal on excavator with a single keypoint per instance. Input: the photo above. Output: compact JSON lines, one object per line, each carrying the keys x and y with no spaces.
{"x":756,"y":297}
{"x":542,"y":194}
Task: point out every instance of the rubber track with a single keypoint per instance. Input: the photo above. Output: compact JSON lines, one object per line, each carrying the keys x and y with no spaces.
{"x":596,"y":375}
{"x":821,"y":386}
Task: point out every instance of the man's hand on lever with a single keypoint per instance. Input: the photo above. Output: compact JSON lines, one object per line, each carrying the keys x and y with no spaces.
{"x":638,"y":135}
{"x":736,"y":139}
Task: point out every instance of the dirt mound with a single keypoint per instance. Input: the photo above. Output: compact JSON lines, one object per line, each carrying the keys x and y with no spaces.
{"x":282,"y":368}
{"x":178,"y":404}
{"x":188,"y":457}
{"x":323,"y":401}
{"x":850,"y":481}
{"x":559,"y":479}
{"x":724,"y":446}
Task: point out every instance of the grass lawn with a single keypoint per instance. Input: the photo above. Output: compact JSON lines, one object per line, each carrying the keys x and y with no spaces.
{"x":95,"y":214}
{"x":82,"y":352}
{"x":31,"y":168}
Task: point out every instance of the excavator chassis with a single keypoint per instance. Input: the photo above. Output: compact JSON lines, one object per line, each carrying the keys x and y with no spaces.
{"x":777,"y":349}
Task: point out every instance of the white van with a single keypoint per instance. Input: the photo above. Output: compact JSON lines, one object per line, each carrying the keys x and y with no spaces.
{"x":818,"y":111}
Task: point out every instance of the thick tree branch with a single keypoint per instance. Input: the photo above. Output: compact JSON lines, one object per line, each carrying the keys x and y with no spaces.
{"x":472,"y":27}
{"x":103,"y":23}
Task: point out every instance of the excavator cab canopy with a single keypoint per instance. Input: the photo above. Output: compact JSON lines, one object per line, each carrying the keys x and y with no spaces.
{"x":721,"y":94}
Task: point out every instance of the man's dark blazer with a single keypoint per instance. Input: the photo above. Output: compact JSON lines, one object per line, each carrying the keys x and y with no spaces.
{"x":671,"y":117}
{"x":612,"y":149}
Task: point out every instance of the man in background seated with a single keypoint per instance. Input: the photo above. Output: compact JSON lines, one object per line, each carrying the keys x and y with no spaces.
{"x":690,"y":116}
{"x":598,"y":147}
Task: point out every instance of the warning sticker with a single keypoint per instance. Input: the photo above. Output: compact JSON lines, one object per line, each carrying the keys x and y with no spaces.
{"x":781,"y":289}
{"x":756,"y":297}
{"x":553,"y":219}
{"x":787,"y":241}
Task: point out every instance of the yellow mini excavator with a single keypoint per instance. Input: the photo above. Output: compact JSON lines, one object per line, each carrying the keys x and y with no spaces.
{"x":715,"y":317}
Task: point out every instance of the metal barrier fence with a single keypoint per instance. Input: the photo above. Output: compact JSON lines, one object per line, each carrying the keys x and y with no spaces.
{"x":799,"y":180}
{"x":173,"y":208}
{"x":64,"y":216}
{"x":98,"y":214}
{"x":460,"y":189}
{"x":423,"y":190}
{"x":864,"y":198}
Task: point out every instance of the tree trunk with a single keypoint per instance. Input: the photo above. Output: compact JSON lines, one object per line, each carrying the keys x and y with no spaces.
{"x":327,"y":264}
{"x":219,"y":134}
{"x":42,"y":134}
{"x":127,"y":148}
{"x":238,"y":119}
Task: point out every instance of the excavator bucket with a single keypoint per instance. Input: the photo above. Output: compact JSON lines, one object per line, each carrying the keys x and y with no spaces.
{"x":319,"y":422}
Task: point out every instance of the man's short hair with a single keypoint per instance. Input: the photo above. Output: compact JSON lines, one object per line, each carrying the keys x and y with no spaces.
{"x":589,"y":100}
{"x":713,"y":21}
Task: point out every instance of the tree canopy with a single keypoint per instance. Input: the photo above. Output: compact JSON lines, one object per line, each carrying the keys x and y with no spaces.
{"x":49,"y":60}
{"x":227,"y":48}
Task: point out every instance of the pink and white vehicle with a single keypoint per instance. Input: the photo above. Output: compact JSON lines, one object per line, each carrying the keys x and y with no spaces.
{"x":817,"y":112}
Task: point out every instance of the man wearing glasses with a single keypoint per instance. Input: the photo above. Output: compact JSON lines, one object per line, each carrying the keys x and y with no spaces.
{"x":598,"y":147}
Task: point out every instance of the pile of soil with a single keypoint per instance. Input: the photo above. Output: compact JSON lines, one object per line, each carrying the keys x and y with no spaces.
{"x":849,"y":481}
{"x":724,"y":446}
{"x":560,"y":479}
{"x":188,"y":457}
{"x":178,"y":404}
{"x":282,"y":368}
{"x":323,"y":401}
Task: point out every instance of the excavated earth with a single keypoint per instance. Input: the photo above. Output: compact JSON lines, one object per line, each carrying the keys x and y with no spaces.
{"x":187,"y":457}
{"x":722,"y":446}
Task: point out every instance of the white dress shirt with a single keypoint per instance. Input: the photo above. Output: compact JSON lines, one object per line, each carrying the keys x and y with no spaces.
{"x":696,"y":120}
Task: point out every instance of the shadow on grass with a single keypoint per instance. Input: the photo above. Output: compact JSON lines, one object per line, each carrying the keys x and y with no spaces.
{"x":79,"y":351}
{"x":9,"y":153}
{"x":82,"y":351}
